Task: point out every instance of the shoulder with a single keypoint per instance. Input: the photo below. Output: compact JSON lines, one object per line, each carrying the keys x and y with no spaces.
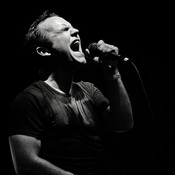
{"x":87,"y":87}
{"x":28,"y":95}
{"x":85,"y":84}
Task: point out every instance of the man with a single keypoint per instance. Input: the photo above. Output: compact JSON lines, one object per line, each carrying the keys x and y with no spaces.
{"x":56,"y":123}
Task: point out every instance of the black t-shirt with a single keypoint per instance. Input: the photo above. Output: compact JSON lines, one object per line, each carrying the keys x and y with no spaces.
{"x":68,"y":126}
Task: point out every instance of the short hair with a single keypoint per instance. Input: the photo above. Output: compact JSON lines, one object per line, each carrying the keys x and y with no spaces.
{"x":34,"y":37}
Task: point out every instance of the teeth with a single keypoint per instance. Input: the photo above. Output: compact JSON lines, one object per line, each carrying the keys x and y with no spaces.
{"x":76,"y":42}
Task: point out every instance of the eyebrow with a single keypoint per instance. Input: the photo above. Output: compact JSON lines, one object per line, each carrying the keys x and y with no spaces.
{"x":62,"y":26}
{"x":58,"y":30}
{"x":67,"y":25}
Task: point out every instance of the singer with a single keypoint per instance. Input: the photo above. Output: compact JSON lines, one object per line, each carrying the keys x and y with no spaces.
{"x":57,"y":124}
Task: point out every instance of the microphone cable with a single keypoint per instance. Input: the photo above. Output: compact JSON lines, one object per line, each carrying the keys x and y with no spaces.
{"x":142,"y":85}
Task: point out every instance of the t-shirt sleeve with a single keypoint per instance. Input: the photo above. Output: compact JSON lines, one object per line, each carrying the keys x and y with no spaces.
{"x":99,"y":100}
{"x":26,"y":116}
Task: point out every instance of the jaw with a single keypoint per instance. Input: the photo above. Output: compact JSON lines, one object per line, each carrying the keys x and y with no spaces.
{"x":78,"y":56}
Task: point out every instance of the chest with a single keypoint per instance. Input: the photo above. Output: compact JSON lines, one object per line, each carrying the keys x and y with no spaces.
{"x":72,"y":112}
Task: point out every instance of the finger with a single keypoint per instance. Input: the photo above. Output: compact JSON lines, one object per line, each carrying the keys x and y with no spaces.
{"x":87,"y":51}
{"x":106,"y":48}
{"x":96,"y":59}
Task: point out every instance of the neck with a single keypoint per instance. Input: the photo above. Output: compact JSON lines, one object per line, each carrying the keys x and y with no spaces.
{"x":61,"y":81}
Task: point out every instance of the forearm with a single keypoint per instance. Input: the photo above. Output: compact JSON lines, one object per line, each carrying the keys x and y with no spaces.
{"x":39,"y":166}
{"x":120,"y":117}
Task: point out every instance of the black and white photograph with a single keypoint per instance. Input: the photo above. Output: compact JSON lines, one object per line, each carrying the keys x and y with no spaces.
{"x":88,"y":88}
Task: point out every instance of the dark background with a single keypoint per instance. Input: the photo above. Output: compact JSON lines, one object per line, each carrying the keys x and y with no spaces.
{"x":142,"y":31}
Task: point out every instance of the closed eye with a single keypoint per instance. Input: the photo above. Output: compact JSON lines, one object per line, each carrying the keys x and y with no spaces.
{"x":64,"y":29}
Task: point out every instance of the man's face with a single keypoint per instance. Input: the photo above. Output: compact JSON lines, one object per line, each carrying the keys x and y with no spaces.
{"x":65,"y":39}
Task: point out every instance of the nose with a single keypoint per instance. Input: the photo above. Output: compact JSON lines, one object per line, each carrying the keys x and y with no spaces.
{"x":74,"y":31}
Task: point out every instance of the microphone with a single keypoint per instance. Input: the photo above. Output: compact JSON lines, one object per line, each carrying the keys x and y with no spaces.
{"x":95,"y":52}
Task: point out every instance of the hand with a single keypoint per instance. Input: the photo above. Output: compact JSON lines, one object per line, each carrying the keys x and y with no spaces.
{"x":107,"y":61}
{"x":104,"y":55}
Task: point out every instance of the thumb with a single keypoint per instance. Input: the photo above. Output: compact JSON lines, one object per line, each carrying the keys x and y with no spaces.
{"x":88,"y":55}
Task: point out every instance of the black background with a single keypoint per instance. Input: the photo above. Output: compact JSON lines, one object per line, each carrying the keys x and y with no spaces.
{"x":143,"y":31}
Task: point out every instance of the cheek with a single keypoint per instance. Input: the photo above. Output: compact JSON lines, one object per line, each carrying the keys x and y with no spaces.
{"x":61,"y":49}
{"x":61,"y":45}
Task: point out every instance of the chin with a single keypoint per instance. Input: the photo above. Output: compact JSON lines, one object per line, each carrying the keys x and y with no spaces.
{"x":82,"y":61}
{"x":79,"y":57}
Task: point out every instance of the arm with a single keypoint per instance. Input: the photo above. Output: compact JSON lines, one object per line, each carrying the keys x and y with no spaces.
{"x":118,"y":116}
{"x":25,"y":155}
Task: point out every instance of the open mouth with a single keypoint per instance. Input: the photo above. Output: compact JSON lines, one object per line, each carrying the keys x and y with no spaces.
{"x":75,"y":46}
{"x":76,"y":51}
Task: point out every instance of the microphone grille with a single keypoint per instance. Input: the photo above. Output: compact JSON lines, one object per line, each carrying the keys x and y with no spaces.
{"x":93,"y":49}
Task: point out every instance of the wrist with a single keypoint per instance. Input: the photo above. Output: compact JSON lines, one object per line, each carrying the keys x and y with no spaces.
{"x":112,"y":77}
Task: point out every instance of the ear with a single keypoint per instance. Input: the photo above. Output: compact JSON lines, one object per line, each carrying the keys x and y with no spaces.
{"x":43,"y":51}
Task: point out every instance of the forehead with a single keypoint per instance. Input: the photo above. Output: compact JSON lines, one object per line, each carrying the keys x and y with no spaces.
{"x":54,"y":22}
